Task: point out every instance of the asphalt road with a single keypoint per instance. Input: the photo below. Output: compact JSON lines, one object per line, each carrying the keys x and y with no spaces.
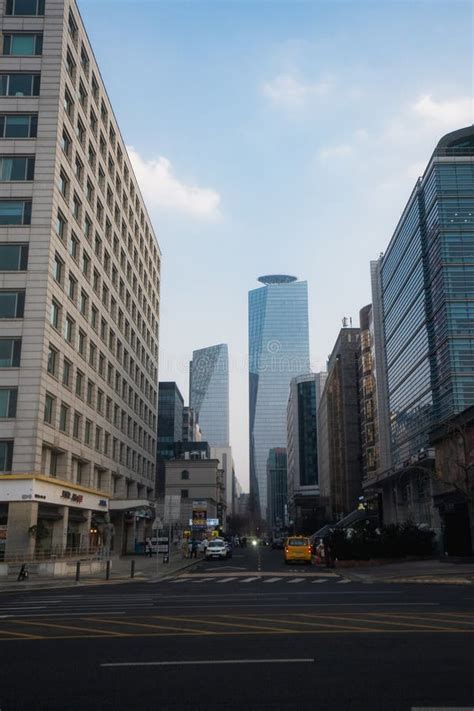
{"x":244,"y":633}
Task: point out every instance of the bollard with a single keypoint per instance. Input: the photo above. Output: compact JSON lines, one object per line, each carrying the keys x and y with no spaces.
{"x":107,"y":570}
{"x":132,"y":569}
{"x":78,"y":570}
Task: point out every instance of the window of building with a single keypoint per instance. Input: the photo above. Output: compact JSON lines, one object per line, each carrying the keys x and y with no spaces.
{"x":98,"y":438}
{"x":76,"y":426}
{"x":73,"y":246}
{"x":58,"y":266}
{"x":184,"y":493}
{"x":185,"y":474}
{"x":10,"y":352}
{"x":68,"y":104}
{"x":82,"y":95}
{"x":63,"y":417}
{"x":85,"y":264}
{"x":80,"y":131}
{"x":19,"y":84}
{"x":69,"y":329}
{"x":12,"y":304}
{"x":72,"y":26}
{"x":92,"y":355}
{"x":94,"y":318}
{"x":82,"y":343}
{"x":53,"y":358}
{"x":55,"y":315}
{"x":63,"y":184}
{"x":6,"y":455}
{"x":13,"y":257}
{"x":88,"y":432}
{"x":8,"y":400}
{"x":15,"y":212}
{"x":85,"y":63}
{"x":17,"y":168}
{"x":87,"y":227}
{"x":78,"y":169}
{"x":61,"y":225}
{"x":18,"y":125}
{"x":90,"y":192}
{"x":90,"y":392}
{"x":84,"y":303}
{"x":76,"y":208}
{"x":67,"y":372}
{"x":24,"y":7}
{"x":22,"y":44}
{"x":48,"y":409}
{"x":79,"y":383}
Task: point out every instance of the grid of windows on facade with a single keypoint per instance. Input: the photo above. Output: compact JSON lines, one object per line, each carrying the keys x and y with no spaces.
{"x":428,"y":292}
{"x":103,"y":238}
{"x":307,"y":437}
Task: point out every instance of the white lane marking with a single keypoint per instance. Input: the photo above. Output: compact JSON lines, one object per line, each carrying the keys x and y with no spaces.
{"x":207,"y":661}
{"x":344,"y":580}
{"x":178,"y":580}
{"x":296,"y":580}
{"x":225,"y":580}
{"x":321,"y":580}
{"x":271,"y":580}
{"x":248,"y":580}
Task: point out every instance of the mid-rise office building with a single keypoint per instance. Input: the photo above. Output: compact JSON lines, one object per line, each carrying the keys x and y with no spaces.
{"x":170,"y":428}
{"x":339,"y":446}
{"x":278,"y":350}
{"x":304,"y":504}
{"x":277,"y":490}
{"x":426,"y":298}
{"x":79,"y":295}
{"x":209,"y":393}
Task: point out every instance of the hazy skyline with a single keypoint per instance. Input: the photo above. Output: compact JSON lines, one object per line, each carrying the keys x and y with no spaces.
{"x":276,"y":137}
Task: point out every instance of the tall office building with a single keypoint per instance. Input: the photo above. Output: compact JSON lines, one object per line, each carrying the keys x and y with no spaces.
{"x":339,"y":447}
{"x":79,"y":295}
{"x":170,"y":428}
{"x":209,"y":393}
{"x":426,"y":298}
{"x":278,"y":350}
{"x":302,"y":450}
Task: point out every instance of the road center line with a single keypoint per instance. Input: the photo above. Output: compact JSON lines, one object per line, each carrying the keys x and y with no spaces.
{"x":198,"y":662}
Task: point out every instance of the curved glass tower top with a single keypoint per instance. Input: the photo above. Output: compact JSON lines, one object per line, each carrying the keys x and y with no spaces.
{"x":278,"y":350}
{"x":277,"y":279}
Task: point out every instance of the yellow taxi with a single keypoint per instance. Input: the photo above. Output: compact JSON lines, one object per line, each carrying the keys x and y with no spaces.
{"x":297,"y":548}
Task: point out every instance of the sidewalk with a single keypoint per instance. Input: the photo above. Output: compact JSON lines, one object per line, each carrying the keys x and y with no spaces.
{"x":145,"y":569}
{"x":421,"y":571}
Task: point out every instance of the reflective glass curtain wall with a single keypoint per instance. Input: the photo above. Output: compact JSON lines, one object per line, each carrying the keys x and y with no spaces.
{"x":209,"y":393}
{"x":427,"y":279}
{"x":278,"y":351}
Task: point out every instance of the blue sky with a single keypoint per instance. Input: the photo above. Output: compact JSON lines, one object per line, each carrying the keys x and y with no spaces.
{"x":278,"y":136}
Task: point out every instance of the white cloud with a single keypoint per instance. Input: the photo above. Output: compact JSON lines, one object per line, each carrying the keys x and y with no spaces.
{"x":162,"y":189}
{"x":453,"y":113}
{"x":286,"y":91}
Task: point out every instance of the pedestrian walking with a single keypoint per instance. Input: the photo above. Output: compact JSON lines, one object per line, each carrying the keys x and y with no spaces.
{"x":148,"y":547}
{"x":194,"y":548}
{"x":328,"y":554}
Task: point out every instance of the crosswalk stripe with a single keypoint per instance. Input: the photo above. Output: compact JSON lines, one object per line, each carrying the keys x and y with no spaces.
{"x":177,"y":580}
{"x":225,"y":580}
{"x":271,"y":580}
{"x":343,"y":580}
{"x":296,"y":580}
{"x":248,"y":580}
{"x":321,"y":580}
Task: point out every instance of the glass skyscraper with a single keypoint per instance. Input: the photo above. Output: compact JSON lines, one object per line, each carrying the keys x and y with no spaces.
{"x":427,"y":295}
{"x":209,"y":393}
{"x":278,"y":350}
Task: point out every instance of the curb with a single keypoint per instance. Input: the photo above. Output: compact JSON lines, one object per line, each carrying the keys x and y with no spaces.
{"x":62,"y":583}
